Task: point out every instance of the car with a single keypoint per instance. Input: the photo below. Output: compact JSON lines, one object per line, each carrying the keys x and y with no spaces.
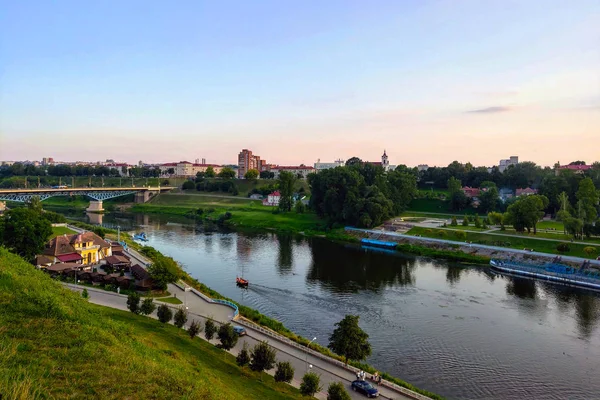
{"x":239,"y":330}
{"x":365,"y":388}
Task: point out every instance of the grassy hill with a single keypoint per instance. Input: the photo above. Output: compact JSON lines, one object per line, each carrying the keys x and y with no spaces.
{"x":54,"y":344}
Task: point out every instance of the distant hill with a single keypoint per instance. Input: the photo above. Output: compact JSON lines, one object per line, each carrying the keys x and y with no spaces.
{"x":54,"y":344}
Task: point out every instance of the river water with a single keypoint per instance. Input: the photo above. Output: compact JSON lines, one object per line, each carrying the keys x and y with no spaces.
{"x":456,"y":330}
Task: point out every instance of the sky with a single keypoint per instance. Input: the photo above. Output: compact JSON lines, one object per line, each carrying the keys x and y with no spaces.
{"x":298,"y":81}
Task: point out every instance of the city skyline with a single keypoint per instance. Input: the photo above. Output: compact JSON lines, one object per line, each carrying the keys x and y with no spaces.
{"x":430,"y":82}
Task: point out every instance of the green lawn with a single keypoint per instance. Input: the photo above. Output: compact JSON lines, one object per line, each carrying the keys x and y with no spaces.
{"x":54,"y":344}
{"x":514,"y":242}
{"x":170,"y":300}
{"x":436,"y":206}
{"x":60,"y":230}
{"x":550,"y":224}
{"x":198,"y":199}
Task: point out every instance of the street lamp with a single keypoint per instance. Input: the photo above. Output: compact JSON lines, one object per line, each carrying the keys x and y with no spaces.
{"x":313,"y":339}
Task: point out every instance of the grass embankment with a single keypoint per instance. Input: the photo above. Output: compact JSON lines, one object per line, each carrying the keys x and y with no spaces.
{"x":54,"y":344}
{"x":170,"y":300}
{"x":60,"y":230}
{"x":277,"y":326}
{"x":457,"y":255}
{"x":437,"y":206}
{"x":513,"y":242}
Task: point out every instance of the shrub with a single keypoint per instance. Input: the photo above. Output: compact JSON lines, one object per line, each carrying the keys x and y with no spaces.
{"x":336,"y":391}
{"x":194,"y":329}
{"x":209,"y":329}
{"x":310,"y":384}
{"x":299,"y":207}
{"x":133,"y":303}
{"x":181,"y":317}
{"x":85,"y":294}
{"x":465,"y":221}
{"x":563,"y":247}
{"x":262,"y":357}
{"x":589,"y":250}
{"x":453,"y":223}
{"x":227,"y":336}
{"x":164,"y":313}
{"x":284,"y":372}
{"x":243,"y":357}
{"x":441,"y":234}
{"x":477,"y":222}
{"x":148,"y":306}
{"x":460,"y":235}
{"x":187,"y":185}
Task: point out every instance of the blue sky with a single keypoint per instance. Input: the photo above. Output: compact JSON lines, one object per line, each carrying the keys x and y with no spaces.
{"x":430,"y":81}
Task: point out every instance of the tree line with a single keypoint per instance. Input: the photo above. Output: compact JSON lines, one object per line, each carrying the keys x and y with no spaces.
{"x":19,"y":169}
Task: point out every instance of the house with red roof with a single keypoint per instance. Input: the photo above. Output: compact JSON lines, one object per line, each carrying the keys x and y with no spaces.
{"x":272,"y":199}
{"x":471,"y":192}
{"x":526,"y":192}
{"x":578,"y":169}
{"x":85,"y":248}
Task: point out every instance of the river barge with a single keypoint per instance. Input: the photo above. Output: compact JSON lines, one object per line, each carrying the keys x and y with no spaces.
{"x":379,"y":243}
{"x":554,"y":272}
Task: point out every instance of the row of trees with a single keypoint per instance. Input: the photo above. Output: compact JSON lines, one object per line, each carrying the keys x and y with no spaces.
{"x":18,"y":169}
{"x":361,"y":194}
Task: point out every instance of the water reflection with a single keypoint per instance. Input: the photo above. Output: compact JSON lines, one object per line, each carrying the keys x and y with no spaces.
{"x":355,"y":268}
{"x":521,"y":287}
{"x":285,"y":254}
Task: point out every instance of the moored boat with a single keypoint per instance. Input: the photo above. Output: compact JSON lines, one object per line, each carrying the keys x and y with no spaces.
{"x":141,"y":236}
{"x":241,"y":282}
{"x":553,"y":272}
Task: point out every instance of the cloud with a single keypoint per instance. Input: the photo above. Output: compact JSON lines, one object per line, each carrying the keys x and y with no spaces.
{"x":489,"y":110}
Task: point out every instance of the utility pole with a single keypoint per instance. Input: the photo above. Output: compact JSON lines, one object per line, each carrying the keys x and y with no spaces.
{"x":73,"y":182}
{"x":38,"y":181}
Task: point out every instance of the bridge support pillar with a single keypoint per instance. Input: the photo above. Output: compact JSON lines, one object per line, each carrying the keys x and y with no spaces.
{"x":95,"y":206}
{"x":142,"y":197}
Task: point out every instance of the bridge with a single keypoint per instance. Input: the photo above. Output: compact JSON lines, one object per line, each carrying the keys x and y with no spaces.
{"x":97,"y":195}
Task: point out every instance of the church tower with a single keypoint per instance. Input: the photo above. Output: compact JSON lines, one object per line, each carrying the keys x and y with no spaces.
{"x":384,"y":161}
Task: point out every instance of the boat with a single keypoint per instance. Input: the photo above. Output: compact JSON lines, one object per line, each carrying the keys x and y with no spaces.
{"x":379,"y":243}
{"x":241,"y":282}
{"x":141,"y":236}
{"x":554,"y":272}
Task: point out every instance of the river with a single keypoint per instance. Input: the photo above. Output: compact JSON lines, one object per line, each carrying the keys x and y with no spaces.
{"x":459,"y":331}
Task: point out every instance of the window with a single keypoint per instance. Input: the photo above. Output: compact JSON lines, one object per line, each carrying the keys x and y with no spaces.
{"x":89,"y":258}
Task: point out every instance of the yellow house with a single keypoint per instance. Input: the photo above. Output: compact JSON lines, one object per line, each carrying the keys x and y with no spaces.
{"x":84,"y":248}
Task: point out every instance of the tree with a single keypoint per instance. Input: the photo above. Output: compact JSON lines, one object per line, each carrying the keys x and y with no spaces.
{"x":35,"y":204}
{"x":188,"y":185}
{"x":133,"y":302}
{"x":243,"y":357}
{"x":226,"y":173}
{"x":181,"y":317}
{"x":266,"y":175}
{"x":209,"y":329}
{"x":588,"y":200}
{"x":477,"y":221}
{"x":286,"y":190}
{"x":589,"y":250}
{"x":251,"y":174}
{"x":525,"y":212}
{"x":489,"y":199}
{"x":164,"y":313}
{"x":171,"y":171}
{"x":163,"y":271}
{"x":495,"y":218}
{"x":284,"y":372}
{"x":336,"y":391}
{"x":262,"y":357}
{"x":24,"y":232}
{"x":454,"y":185}
{"x":349,"y":341}
{"x":299,"y":207}
{"x":563,"y":200}
{"x":310,"y":384}
{"x":574,"y":226}
{"x":194,"y":329}
{"x":148,"y":306}
{"x":465,"y":221}
{"x":227,"y":336}
{"x":210,"y":172}
{"x":352,"y":161}
{"x":454,"y":222}
{"x":86,"y":295}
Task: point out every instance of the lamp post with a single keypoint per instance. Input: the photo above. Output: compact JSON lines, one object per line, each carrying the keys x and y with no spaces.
{"x":313,"y":339}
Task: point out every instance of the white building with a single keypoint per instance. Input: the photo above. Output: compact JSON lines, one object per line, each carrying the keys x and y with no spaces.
{"x":272,"y":199}
{"x":187,"y":169}
{"x":422,"y":167}
{"x":503,"y":164}
{"x":319,"y":166}
{"x":299,"y":171}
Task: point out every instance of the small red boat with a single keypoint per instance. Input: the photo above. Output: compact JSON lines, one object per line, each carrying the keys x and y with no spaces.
{"x":241,"y":282}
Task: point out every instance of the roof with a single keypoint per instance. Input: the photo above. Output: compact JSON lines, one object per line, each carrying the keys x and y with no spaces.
{"x":117,"y":260}
{"x":139,"y":272}
{"x":63,"y":267}
{"x":526,"y":191}
{"x":63,"y":244}
{"x":42,"y":259}
{"x":292,"y":167}
{"x":69,"y":257}
{"x":275,"y":193}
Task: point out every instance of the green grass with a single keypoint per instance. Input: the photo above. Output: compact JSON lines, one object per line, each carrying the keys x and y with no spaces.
{"x":54,"y":344}
{"x":550,"y":224}
{"x":197,"y":199}
{"x":171,"y":300}
{"x":513,"y":242}
{"x":60,"y":230}
{"x":459,"y":227}
{"x":436,"y":206}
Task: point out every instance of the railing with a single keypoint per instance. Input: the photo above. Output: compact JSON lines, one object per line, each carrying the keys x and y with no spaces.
{"x":542,"y":270}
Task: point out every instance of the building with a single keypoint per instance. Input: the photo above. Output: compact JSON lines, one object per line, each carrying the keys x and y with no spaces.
{"x":186,"y":168}
{"x":319,"y":166}
{"x":470,"y":192}
{"x":422,"y":167}
{"x":385,"y":164}
{"x":503,"y":164}
{"x":82,"y":248}
{"x":578,"y":169}
{"x":272,"y":199}
{"x":301,"y":171}
{"x":505,"y":194}
{"x":526,"y":192}
{"x":248,"y":161}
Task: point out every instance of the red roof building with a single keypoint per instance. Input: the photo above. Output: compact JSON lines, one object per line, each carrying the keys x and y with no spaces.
{"x":526,"y":192}
{"x":471,"y":192}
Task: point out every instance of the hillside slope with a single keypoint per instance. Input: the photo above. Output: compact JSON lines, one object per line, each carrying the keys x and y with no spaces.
{"x":54,"y":344}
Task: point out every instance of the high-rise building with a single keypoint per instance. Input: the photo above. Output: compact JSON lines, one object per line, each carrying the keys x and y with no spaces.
{"x":248,"y":161}
{"x":503,"y":164}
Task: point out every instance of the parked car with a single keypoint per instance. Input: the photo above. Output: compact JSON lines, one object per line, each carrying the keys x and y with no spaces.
{"x":239,"y":330}
{"x":365,"y":388}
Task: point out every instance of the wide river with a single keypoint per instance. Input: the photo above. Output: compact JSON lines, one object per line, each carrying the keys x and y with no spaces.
{"x":459,"y":331}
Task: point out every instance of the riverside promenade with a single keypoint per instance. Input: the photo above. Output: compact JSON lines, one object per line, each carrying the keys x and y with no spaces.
{"x":302,"y":359}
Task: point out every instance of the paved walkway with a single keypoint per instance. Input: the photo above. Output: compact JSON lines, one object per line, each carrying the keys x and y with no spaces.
{"x":199,"y":309}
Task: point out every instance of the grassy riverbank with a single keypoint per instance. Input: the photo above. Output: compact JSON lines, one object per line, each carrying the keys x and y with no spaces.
{"x":54,"y":344}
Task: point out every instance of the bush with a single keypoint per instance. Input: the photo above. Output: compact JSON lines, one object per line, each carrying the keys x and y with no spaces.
{"x":589,"y":250}
{"x":460,"y":235}
{"x":85,"y":294}
{"x":310,"y":384}
{"x":227,"y":336}
{"x":441,"y":234}
{"x":284,"y":372}
{"x":148,"y":306}
{"x":563,"y":247}
{"x":194,"y":329}
{"x":53,"y":217}
{"x":99,"y":231}
{"x":187,"y":185}
{"x":243,"y":357}
{"x":477,"y":222}
{"x":262,"y":357}
{"x":133,"y":303}
{"x":164,"y":313}
{"x":209,"y":329}
{"x":454,"y":222}
{"x":181,"y":317}
{"x":336,"y":391}
{"x":299,"y":207}
{"x":465,"y":221}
